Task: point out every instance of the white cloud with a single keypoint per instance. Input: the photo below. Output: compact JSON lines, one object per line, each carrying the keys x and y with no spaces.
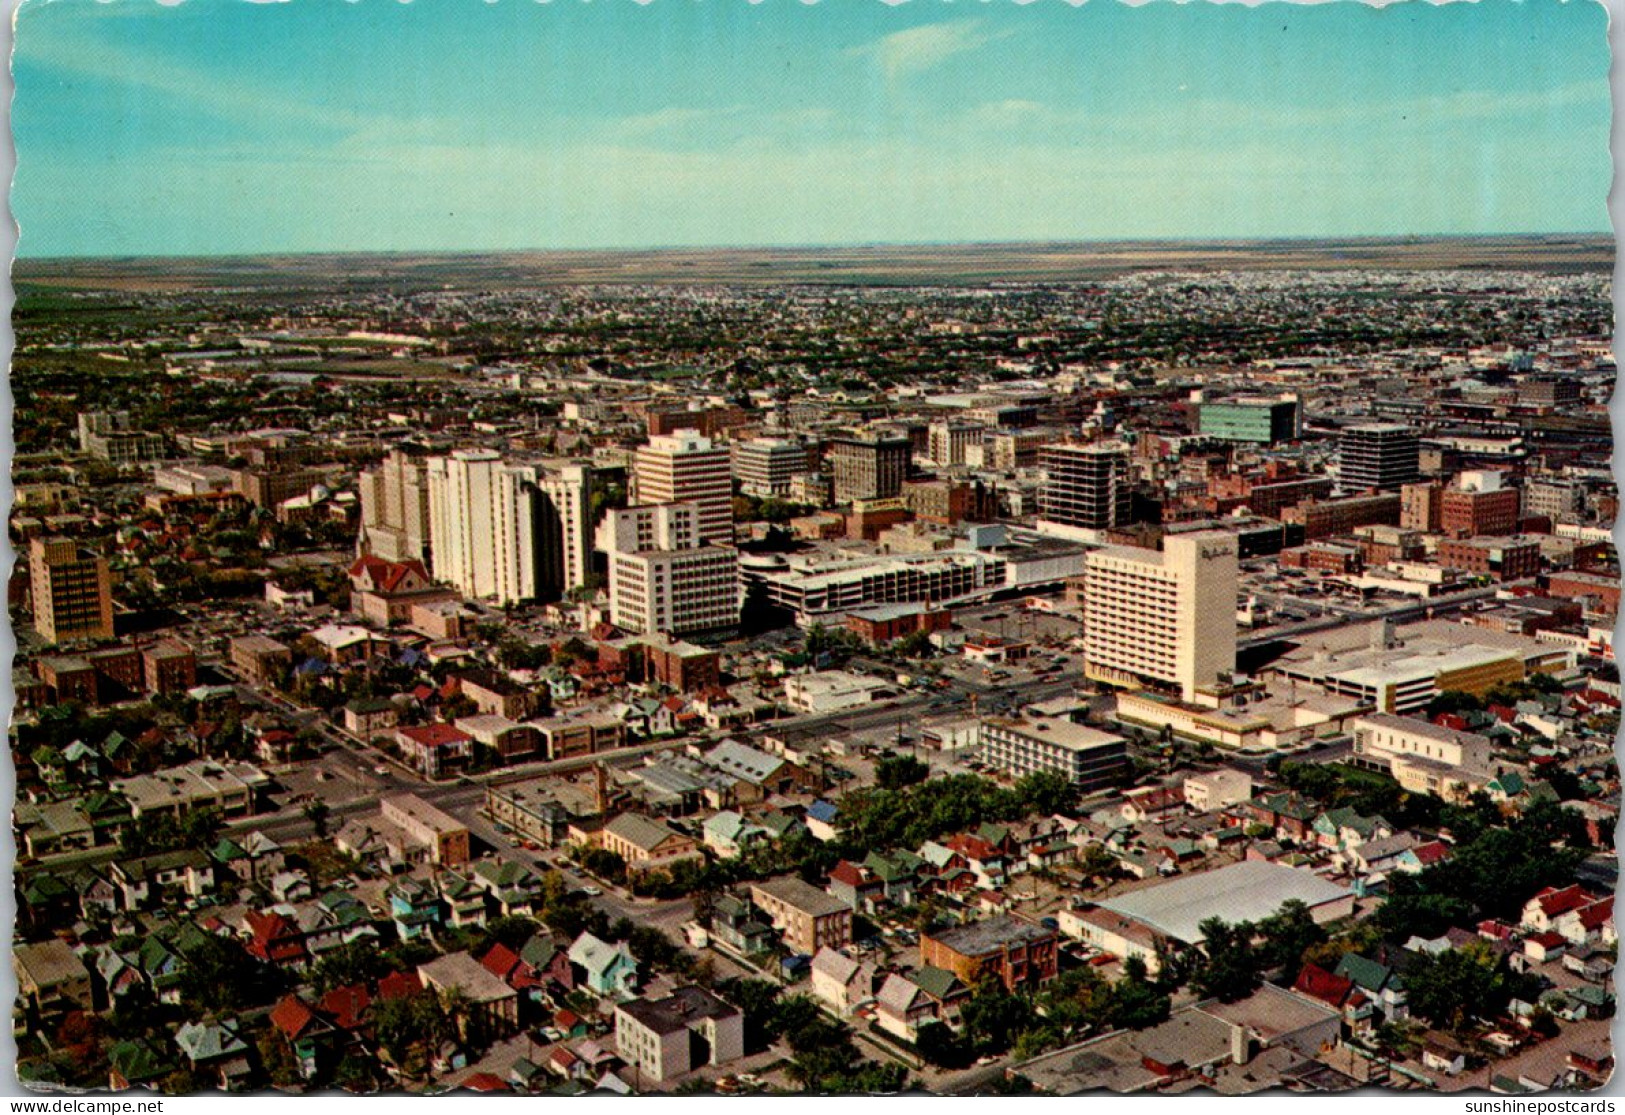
{"x":918,"y":49}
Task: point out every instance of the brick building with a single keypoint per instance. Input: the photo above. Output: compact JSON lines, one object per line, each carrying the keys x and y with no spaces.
{"x":1505,"y":559}
{"x":1018,"y":953}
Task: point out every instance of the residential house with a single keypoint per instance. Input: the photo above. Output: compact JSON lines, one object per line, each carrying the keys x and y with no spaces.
{"x":858,"y":886}
{"x":51,"y":976}
{"x":730,"y":834}
{"x":946,"y":990}
{"x":309,"y":1038}
{"x":1380,"y":983}
{"x":434,"y":749}
{"x":1542,"y":912}
{"x":840,"y":981}
{"x":735,"y":923}
{"x":215,"y":1051}
{"x":902,"y":1007}
{"x":605,"y":969}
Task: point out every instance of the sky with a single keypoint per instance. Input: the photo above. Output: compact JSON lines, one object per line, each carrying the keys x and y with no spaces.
{"x":218,"y":127}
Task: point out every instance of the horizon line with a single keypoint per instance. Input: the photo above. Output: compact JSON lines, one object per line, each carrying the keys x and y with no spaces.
{"x":20,"y":257}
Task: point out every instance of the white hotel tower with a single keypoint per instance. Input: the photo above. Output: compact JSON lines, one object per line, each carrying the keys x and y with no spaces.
{"x":1164,"y":617}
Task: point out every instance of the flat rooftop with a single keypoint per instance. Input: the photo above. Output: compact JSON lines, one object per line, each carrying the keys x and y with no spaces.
{"x":1061,"y":733}
{"x":1246,"y":891}
{"x":978,"y":938}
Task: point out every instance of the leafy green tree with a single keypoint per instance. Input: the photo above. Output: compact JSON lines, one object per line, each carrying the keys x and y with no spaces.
{"x":1047,"y":792}
{"x":1233,"y":968}
{"x":894,"y":772}
{"x":938,"y":1045}
{"x":1458,"y":987}
{"x":992,"y":1017}
{"x":1406,"y":914}
{"x":349,"y":964}
{"x":218,"y":976}
{"x":1287,"y":935}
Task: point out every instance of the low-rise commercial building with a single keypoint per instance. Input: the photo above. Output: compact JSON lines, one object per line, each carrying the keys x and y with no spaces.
{"x":1091,"y":759}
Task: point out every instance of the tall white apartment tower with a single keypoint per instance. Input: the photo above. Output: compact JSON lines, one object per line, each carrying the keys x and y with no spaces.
{"x":483,"y":529}
{"x":663,"y":577}
{"x":1162,"y":619}
{"x":566,"y":500}
{"x":395,"y":508}
{"x":685,"y":467}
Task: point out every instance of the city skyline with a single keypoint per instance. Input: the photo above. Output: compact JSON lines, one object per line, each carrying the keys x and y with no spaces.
{"x":220,"y":129}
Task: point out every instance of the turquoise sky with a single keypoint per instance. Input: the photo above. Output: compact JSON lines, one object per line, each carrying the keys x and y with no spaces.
{"x":224,"y":126}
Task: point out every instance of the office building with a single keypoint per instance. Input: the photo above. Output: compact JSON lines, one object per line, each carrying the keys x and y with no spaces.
{"x":482,"y":526}
{"x":685,"y":467}
{"x":1401,"y":670}
{"x":266,"y":486}
{"x":395,"y":508}
{"x":1085,"y":486}
{"x":109,"y":436}
{"x":1090,"y":759}
{"x":765,"y":467}
{"x":812,"y":588}
{"x":663,"y":578}
{"x":445,"y":837}
{"x":1424,"y":757}
{"x":1008,"y":450}
{"x":1254,"y":421}
{"x":1548,"y":392}
{"x":1162,"y":618}
{"x":948,"y":441}
{"x":1325,"y":518}
{"x":1507,"y":558}
{"x":1378,"y":457}
{"x":1421,"y":506}
{"x":1560,"y":500}
{"x":868,"y":468}
{"x":71,"y":591}
{"x":1478,"y":504}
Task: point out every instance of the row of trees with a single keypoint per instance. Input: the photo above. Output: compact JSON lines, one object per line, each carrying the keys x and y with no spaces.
{"x":823,"y":1057}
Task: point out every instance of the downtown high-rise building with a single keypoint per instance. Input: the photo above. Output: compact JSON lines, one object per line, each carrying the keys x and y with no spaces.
{"x":948,"y":442}
{"x":1257,"y":421}
{"x":686,"y":467}
{"x":504,"y":533}
{"x":71,"y":591}
{"x":1085,"y":486}
{"x":1162,"y":618}
{"x":664,"y":578}
{"x":869,"y":468}
{"x":565,"y":514}
{"x":1381,"y":457}
{"x":766,"y":467}
{"x":395,"y":508}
